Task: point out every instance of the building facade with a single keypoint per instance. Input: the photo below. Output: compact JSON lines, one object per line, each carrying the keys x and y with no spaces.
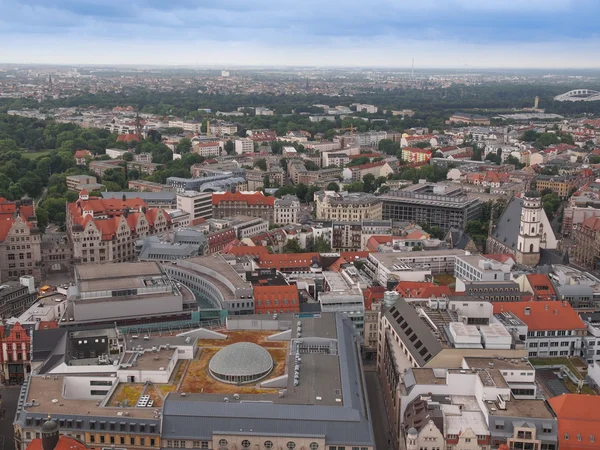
{"x":197,"y":204}
{"x":437,"y":205}
{"x":253,"y":204}
{"x":105,"y":230}
{"x":286,"y":210}
{"x":353,"y":207}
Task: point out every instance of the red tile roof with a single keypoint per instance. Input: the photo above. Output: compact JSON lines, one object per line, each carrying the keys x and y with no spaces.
{"x":552,"y":315}
{"x":417,"y":150}
{"x":64,"y":443}
{"x":257,"y":198}
{"x":351,"y":256}
{"x":368,"y":165}
{"x":285,"y":296}
{"x":243,"y":250}
{"x":48,"y":325}
{"x":82,"y":153}
{"x":287,"y":260}
{"x":542,"y":287}
{"x":337,"y":265}
{"x":578,"y":417}
{"x":127,"y":138}
{"x":592,"y":223}
{"x":372,"y":295}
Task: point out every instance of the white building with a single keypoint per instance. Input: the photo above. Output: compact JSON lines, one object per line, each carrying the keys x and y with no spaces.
{"x":286,"y":210}
{"x":207,"y":148}
{"x":115,"y":153}
{"x":480,"y":268}
{"x":243,"y":145}
{"x":369,"y":109}
{"x":197,"y":204}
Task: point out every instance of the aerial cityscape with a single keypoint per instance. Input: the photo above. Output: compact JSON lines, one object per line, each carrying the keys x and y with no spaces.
{"x":240,"y":227}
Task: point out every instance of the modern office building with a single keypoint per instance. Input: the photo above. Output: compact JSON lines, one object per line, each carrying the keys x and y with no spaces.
{"x":439,"y":206}
{"x":216,"y":281}
{"x":125,"y":293}
{"x":197,"y":204}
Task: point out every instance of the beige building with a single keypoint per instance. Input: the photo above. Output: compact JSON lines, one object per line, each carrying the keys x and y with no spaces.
{"x":77,"y":183}
{"x":20,"y":252}
{"x":256,"y":178}
{"x":197,"y":204}
{"x":105,"y":230}
{"x":243,"y":145}
{"x":286,"y":210}
{"x":352,"y":207}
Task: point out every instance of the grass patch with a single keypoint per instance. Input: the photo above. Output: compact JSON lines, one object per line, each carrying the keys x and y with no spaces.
{"x":179,"y":367}
{"x":572,"y":387}
{"x":197,"y":378}
{"x":154,"y":396}
{"x":129,"y":392}
{"x":444,"y":279}
{"x":34,"y":155}
{"x":575,"y":365}
{"x":166,"y":388}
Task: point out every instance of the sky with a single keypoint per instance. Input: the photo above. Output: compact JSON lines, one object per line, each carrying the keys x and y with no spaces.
{"x":365,"y":33}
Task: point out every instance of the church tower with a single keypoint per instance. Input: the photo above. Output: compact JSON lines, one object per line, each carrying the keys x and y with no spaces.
{"x":530,"y":229}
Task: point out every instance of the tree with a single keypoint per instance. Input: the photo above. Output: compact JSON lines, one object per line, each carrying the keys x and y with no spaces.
{"x":127,"y":156}
{"x":551,"y":203}
{"x":229,"y":147}
{"x":594,"y":159}
{"x":476,"y":154}
{"x":261,"y":164}
{"x":284,"y":164}
{"x":355,"y":186}
{"x":183,"y":146}
{"x":311,"y":165}
{"x":333,"y":186}
{"x":42,"y":218}
{"x":369,"y":183}
{"x":320,"y":245}
{"x":388,"y":146}
{"x":515,"y":161}
{"x":266,"y":182}
{"x":292,"y":246}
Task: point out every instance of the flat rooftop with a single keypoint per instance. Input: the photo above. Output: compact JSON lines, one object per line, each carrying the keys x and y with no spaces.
{"x":320,"y":379}
{"x":148,"y":360}
{"x":500,"y":364}
{"x":45,"y":390}
{"x":85,"y":272}
{"x":521,"y":408}
{"x":217,"y":265}
{"x":428,"y":376}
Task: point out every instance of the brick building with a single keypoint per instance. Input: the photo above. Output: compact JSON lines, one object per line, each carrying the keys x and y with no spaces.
{"x":15,"y":342}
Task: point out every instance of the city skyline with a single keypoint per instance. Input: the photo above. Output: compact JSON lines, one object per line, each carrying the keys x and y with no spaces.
{"x":454,"y":34}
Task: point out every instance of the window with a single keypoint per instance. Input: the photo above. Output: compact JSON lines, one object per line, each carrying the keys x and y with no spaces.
{"x":204,"y":444}
{"x":268,"y":444}
{"x":292,"y":445}
{"x":223,"y":443}
{"x":314,"y":446}
{"x":197,"y":444}
{"x":245,"y":443}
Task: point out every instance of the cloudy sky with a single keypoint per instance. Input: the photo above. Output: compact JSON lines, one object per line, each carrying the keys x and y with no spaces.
{"x":386,"y":33}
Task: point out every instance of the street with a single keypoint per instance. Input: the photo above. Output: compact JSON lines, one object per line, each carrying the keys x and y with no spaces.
{"x":10,"y":396}
{"x":378,"y":415}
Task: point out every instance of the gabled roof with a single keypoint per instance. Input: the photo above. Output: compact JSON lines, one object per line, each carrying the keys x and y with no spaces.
{"x":255,"y":198}
{"x":127,"y":138}
{"x":507,"y":228}
{"x":578,"y":420}
{"x":272,"y":293}
{"x":64,"y":443}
